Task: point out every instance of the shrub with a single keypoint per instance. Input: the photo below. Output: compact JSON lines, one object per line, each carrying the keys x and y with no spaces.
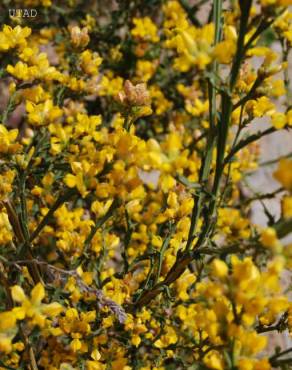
{"x":126,"y":142}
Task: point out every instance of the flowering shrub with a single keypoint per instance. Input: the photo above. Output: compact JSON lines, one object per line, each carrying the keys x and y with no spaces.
{"x":126,"y":140}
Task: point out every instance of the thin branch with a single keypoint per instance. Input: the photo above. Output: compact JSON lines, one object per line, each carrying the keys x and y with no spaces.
{"x":276,"y":160}
{"x":103,"y":301}
{"x":244,"y":142}
{"x":280,"y":354}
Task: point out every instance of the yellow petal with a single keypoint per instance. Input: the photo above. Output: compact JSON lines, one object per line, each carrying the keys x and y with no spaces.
{"x":18,"y":294}
{"x":37,"y":294}
{"x":19,"y":312}
{"x":7,"y":321}
{"x":70,"y":180}
{"x":52,"y":309}
{"x":75,"y":345}
{"x":95,"y":355}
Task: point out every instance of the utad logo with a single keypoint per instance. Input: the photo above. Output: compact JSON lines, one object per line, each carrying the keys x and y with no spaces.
{"x":23,"y":13}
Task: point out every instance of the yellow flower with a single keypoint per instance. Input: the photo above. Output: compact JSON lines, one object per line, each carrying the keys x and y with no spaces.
{"x":279,"y":120}
{"x":86,"y":125}
{"x":269,"y":239}
{"x":262,"y":364}
{"x":8,"y":330}
{"x":136,"y":340}
{"x":289,"y":117}
{"x":219,"y":268}
{"x":213,"y":360}
{"x":276,"y":2}
{"x":7,"y":140}
{"x":244,"y":272}
{"x":94,"y":365}
{"x":90,"y":62}
{"x":145,"y":69}
{"x":166,"y":339}
{"x":83,"y":178}
{"x":6,"y":181}
{"x":232,"y":224}
{"x":224,"y":51}
{"x":144,"y":29}
{"x":284,"y":173}
{"x":6,"y":235}
{"x":32,"y":307}
{"x":245,"y":364}
{"x":22,"y":71}
{"x":110,"y":85}
{"x":260,"y":107}
{"x":193,"y":45}
{"x":43,"y":113}
{"x":160,"y":102}
{"x":13,"y":37}
{"x":287,"y":206}
{"x":95,"y":355}
{"x":197,"y":108}
{"x":75,"y":345}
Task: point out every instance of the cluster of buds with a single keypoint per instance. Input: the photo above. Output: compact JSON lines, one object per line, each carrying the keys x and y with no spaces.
{"x":79,"y":37}
{"x":135,"y":101}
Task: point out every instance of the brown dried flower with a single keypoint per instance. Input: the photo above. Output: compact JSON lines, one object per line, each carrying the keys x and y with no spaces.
{"x":79,"y":37}
{"x":134,"y":95}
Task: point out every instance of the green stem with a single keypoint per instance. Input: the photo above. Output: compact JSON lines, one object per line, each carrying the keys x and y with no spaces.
{"x":245,"y":7}
{"x":10,"y":107}
{"x":207,"y":160}
{"x":223,"y":124}
{"x":23,"y":214}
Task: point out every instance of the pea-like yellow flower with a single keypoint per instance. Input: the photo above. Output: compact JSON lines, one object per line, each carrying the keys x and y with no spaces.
{"x":8,"y":138}
{"x":32,"y":307}
{"x":43,"y":113}
{"x":13,"y":37}
{"x":145,"y":29}
{"x":83,"y":177}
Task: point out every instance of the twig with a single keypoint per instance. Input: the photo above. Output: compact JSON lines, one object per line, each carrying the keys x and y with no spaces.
{"x":276,"y":160}
{"x":280,"y":354}
{"x":23,"y":243}
{"x":103,"y":301}
{"x":206,"y":163}
{"x":244,"y":142}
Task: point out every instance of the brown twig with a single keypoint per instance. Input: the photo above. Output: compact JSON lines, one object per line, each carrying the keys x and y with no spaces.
{"x":103,"y":301}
